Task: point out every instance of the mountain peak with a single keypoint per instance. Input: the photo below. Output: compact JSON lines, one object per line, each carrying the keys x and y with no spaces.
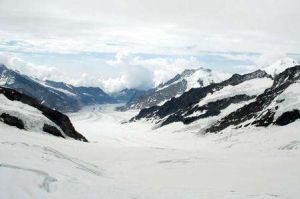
{"x":280,"y":65}
{"x":55,"y":95}
{"x":188,"y":79}
{"x":189,"y":72}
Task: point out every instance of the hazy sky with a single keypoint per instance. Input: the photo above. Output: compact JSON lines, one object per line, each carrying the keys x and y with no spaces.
{"x":138,"y":43}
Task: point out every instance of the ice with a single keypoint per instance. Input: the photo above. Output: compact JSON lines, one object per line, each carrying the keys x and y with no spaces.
{"x":250,"y":88}
{"x":288,"y":100}
{"x":132,"y":160}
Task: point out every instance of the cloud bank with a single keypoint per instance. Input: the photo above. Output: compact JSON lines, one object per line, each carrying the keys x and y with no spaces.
{"x":249,"y":34}
{"x":142,"y":26}
{"x":42,"y":72}
{"x":144,"y":73}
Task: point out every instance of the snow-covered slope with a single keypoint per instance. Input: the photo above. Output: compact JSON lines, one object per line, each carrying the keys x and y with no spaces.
{"x":188,"y":79}
{"x":195,"y":78}
{"x":24,"y":112}
{"x":243,"y":100}
{"x":250,"y":159}
{"x":199,"y":103}
{"x":251,"y":87}
{"x":32,"y":118}
{"x":134,"y":161}
{"x":279,"y":66}
{"x":279,"y":104}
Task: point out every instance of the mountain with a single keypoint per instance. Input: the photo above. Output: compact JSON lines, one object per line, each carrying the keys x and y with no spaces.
{"x":55,"y":95}
{"x":84,"y":95}
{"x":279,"y":104}
{"x":251,"y":99}
{"x":209,"y":100}
{"x":191,"y":78}
{"x":24,"y":112}
{"x":126,"y":94}
{"x":279,"y":66}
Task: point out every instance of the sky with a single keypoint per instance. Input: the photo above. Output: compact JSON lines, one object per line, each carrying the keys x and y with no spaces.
{"x":138,"y":44}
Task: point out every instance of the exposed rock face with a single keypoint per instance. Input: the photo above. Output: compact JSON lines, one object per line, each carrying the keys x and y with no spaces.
{"x":208,"y":110}
{"x":288,"y":117}
{"x":12,"y":120}
{"x":278,"y":103}
{"x":52,"y":130}
{"x":58,"y":118}
{"x":186,"y":104}
{"x":153,"y":97}
{"x":192,"y":78}
{"x":258,"y":110}
{"x":55,"y":95}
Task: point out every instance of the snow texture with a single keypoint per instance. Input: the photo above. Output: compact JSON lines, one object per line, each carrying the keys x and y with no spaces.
{"x":132,"y":160}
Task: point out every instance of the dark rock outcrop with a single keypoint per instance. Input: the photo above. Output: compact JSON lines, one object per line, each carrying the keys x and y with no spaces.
{"x":288,"y":117}
{"x":52,"y":130}
{"x":179,"y":109}
{"x":55,"y":116}
{"x":210,"y":109}
{"x":257,"y":110}
{"x":12,"y":120}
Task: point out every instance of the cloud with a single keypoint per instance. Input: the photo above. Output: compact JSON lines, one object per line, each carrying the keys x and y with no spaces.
{"x":260,"y":59}
{"x":145,"y":73}
{"x":137,"y":77}
{"x":246,"y":68}
{"x":38,"y":71}
{"x":239,"y":56}
{"x":269,"y":58}
{"x":132,"y":71}
{"x":255,"y":60}
{"x":164,"y":27}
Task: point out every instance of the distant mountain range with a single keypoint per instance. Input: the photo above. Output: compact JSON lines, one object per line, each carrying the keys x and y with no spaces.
{"x":203,"y":100}
{"x":125,"y":95}
{"x":191,"y":78}
{"x":188,"y":79}
{"x":260,"y":98}
{"x":59,"y":95}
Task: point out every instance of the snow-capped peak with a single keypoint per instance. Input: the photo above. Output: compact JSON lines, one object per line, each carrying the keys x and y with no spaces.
{"x":196,"y":78}
{"x":189,"y":72}
{"x":202,"y":77}
{"x":280,"y":65}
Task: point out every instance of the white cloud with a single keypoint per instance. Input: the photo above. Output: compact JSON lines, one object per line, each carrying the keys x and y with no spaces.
{"x":238,"y":57}
{"x":139,"y":78}
{"x":145,"y":73}
{"x":246,"y":68}
{"x":164,"y":27}
{"x":38,"y":71}
{"x":260,"y":60}
{"x":134,"y":71}
{"x":268,"y":58}
{"x":255,"y":61}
